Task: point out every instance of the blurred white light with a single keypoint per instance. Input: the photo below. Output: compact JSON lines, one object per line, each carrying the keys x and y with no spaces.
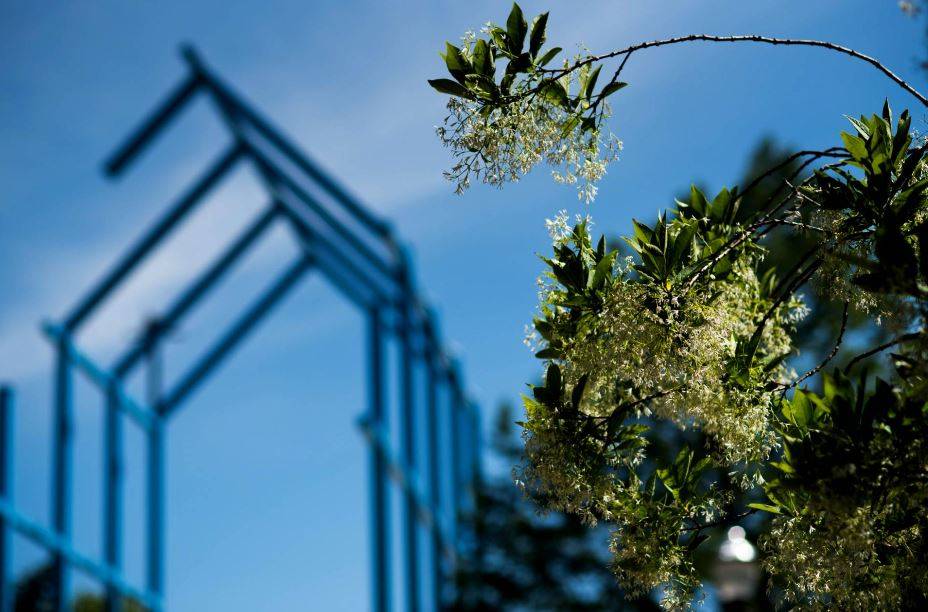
{"x":736,"y":547}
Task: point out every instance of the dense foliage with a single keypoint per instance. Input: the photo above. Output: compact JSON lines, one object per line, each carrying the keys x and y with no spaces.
{"x":531,"y":561}
{"x":695,"y":330}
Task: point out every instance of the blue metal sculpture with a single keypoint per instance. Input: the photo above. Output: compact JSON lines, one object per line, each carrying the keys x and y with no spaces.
{"x":356,"y":252}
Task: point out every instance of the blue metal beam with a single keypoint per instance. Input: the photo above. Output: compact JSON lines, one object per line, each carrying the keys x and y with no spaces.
{"x":407,"y":416}
{"x":152,"y":238}
{"x":101,"y":379}
{"x":60,"y":546}
{"x":431,"y":417}
{"x":198,"y":289}
{"x":362,"y":248}
{"x":157,"y":121}
{"x":234,"y":335}
{"x":319,"y":245}
{"x":230,"y":99}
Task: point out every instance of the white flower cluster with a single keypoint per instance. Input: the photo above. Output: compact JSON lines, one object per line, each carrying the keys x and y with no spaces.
{"x":834,"y":562}
{"x":685,"y":347}
{"x":497,"y":145}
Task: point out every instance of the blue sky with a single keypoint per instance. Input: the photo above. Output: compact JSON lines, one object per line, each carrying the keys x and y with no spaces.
{"x":266,"y":484}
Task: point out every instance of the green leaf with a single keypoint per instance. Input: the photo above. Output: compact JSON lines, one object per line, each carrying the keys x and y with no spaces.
{"x":553,"y":380}
{"x":576,"y":395}
{"x":643,"y":233}
{"x":447,"y":86}
{"x":855,"y":146}
{"x":766,"y":508}
{"x":500,"y":39}
{"x":590,"y":83}
{"x":611,"y":88}
{"x":483,"y":59}
{"x":556,"y":94}
{"x":548,"y":56}
{"x":457,"y":64}
{"x":548,"y":353}
{"x":603,"y":270}
{"x":698,"y":201}
{"x":537,"y":39}
{"x":516,"y":28}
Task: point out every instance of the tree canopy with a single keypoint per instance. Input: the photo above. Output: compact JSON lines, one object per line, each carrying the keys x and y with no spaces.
{"x":695,"y":330}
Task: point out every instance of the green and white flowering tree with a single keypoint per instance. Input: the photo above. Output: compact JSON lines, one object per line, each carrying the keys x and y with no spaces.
{"x":695,"y":330}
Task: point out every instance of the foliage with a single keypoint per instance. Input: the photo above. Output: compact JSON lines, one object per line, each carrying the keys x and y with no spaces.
{"x":695,"y":330}
{"x":499,"y":129}
{"x":532,"y":561}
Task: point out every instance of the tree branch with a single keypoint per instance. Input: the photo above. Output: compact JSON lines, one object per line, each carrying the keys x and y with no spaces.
{"x":830,"y":356}
{"x":752,"y":38}
{"x":883,"y":347}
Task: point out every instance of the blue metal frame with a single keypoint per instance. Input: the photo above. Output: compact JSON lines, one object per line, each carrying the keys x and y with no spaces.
{"x":359,"y":255}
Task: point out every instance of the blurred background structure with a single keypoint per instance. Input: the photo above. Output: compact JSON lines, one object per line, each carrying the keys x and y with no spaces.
{"x":359,"y":255}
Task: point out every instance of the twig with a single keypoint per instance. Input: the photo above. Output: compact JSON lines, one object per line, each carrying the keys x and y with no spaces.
{"x":830,"y":356}
{"x":722,"y":521}
{"x":883,"y":347}
{"x":751,"y":38}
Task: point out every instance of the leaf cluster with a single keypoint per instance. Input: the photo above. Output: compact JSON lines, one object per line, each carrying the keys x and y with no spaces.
{"x":474,"y":73}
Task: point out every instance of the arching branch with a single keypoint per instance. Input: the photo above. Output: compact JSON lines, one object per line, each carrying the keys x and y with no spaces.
{"x":749,"y":38}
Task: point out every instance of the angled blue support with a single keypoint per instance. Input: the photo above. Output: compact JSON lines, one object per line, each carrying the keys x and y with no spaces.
{"x":104,"y":381}
{"x":356,"y":252}
{"x":234,"y":335}
{"x":288,"y":184}
{"x":157,"y":121}
{"x":153,"y":237}
{"x":199,"y":288}
{"x":327,"y":250}
{"x":261,"y":125}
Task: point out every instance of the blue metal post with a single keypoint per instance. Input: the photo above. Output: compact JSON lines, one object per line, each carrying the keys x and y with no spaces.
{"x":411,"y":525}
{"x":454,"y":416}
{"x":112,"y":491}
{"x":155,"y":472}
{"x":6,"y":493}
{"x":61,"y":472}
{"x":380,"y":524}
{"x":434,"y":482}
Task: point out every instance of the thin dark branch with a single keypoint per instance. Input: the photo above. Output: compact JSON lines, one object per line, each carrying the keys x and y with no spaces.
{"x":789,"y":290}
{"x":883,"y":347}
{"x":621,"y":412}
{"x":725,"y":520}
{"x":830,"y":356}
{"x":752,"y":38}
{"x":832,"y":152}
